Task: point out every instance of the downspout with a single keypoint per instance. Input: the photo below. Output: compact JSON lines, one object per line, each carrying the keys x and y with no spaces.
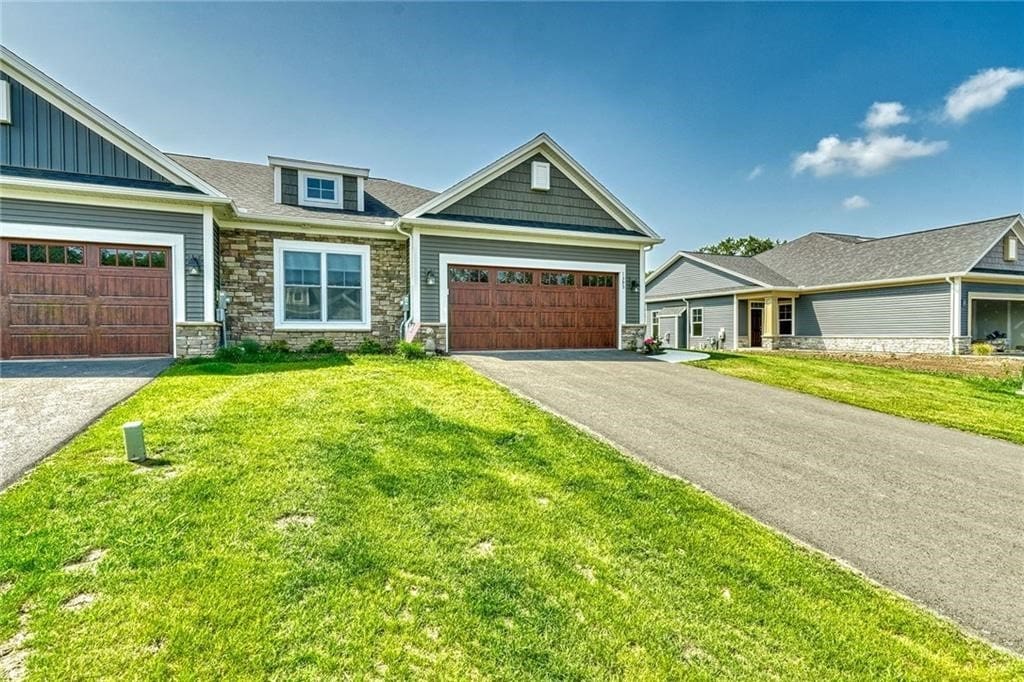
{"x":407,"y":316}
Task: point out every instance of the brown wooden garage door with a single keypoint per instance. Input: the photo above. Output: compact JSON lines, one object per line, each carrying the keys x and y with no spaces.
{"x":69,"y":299}
{"x":518,"y":309}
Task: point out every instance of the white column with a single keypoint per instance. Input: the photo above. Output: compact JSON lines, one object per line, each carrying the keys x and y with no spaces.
{"x":209,"y":263}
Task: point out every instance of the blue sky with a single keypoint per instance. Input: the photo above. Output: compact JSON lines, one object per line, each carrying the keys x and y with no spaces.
{"x":674,"y":107}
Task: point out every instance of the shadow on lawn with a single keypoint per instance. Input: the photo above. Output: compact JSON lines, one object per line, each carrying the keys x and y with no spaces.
{"x":282,"y":363}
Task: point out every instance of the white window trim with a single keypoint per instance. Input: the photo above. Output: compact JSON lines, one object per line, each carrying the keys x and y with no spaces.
{"x":446,"y":259}
{"x":689,"y":318}
{"x":175,"y":242}
{"x":323,"y":248}
{"x":339,"y":190}
{"x":651,"y":316}
{"x":792,"y":318}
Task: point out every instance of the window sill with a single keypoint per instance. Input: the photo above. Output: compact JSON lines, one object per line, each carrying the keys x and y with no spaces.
{"x":322,"y":327}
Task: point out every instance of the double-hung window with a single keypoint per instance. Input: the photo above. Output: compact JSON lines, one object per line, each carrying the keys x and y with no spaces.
{"x":786,"y":318}
{"x":320,"y":190}
{"x":697,"y":322}
{"x":321,"y":286}
{"x":655,"y":325}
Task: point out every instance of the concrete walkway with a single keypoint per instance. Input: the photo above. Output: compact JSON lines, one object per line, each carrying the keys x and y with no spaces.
{"x":933,"y":513}
{"x":44,"y":403}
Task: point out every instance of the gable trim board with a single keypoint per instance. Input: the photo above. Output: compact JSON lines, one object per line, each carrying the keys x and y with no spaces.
{"x":561,"y":160}
{"x":679,"y":255}
{"x":95,"y":120}
{"x":1017,"y":228}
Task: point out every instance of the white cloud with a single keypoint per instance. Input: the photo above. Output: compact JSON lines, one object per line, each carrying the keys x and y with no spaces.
{"x":863,"y":156}
{"x":883,"y":115}
{"x":756,"y":172}
{"x":855,"y":202}
{"x":982,"y":90}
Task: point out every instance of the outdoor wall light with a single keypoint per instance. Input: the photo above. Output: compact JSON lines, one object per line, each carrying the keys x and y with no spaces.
{"x":194,"y":266}
{"x":635,"y":287}
{"x":431,"y":278}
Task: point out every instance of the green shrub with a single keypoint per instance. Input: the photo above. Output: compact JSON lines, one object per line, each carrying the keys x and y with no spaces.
{"x":280,"y":346}
{"x":320,"y":347}
{"x":981,"y":348}
{"x":234,"y":353}
{"x":411,"y":350}
{"x":251,"y":346}
{"x":369,"y":347}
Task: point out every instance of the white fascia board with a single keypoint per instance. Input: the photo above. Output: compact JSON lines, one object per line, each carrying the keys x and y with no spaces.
{"x":16,"y":187}
{"x":561,"y":160}
{"x":516,"y":232}
{"x":253,"y":221}
{"x":695,"y":259}
{"x":101,"y":124}
{"x":1016,"y":226}
{"x":993,"y":278}
{"x":317,"y":166}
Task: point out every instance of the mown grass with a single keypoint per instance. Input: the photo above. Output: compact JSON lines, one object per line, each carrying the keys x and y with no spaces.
{"x":976,"y":404}
{"x":457,"y":532}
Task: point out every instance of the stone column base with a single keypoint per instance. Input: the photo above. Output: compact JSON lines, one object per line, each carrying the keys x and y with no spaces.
{"x":433,"y":334}
{"x":632,"y":336}
{"x":196,"y":339}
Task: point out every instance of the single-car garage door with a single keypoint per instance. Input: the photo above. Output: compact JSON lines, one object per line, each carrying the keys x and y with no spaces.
{"x":518,"y":309}
{"x":68,"y":299}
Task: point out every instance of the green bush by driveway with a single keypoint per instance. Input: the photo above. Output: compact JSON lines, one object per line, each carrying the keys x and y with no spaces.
{"x":371,"y":517}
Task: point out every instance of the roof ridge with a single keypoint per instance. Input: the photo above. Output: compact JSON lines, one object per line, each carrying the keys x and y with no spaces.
{"x":947,"y":227}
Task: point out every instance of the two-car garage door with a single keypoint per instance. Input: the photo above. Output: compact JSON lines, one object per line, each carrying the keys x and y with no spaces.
{"x":496,"y":308}
{"x":71,"y":299}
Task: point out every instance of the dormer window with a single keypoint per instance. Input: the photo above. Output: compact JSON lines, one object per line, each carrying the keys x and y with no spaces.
{"x":1010,"y":248}
{"x":321,"y":189}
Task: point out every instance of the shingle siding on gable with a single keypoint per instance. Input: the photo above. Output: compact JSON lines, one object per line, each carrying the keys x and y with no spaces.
{"x":993,"y":260}
{"x":42,"y":137}
{"x":509,"y":197}
{"x":917,"y":310}
{"x":687,"y":277}
{"x":290,"y":186}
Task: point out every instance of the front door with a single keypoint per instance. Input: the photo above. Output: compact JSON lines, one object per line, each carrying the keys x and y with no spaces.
{"x":756,"y":319}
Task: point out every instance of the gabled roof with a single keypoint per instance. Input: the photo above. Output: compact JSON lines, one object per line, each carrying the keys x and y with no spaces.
{"x":558,"y":157}
{"x":101,"y":124}
{"x":822,"y":259}
{"x":251,"y":188}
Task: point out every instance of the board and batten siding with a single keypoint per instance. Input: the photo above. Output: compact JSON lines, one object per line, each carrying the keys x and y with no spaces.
{"x":431,"y":246}
{"x":190,"y":225}
{"x":988,"y":288}
{"x":686,"y":277}
{"x":42,"y":137}
{"x":915,"y":310}
{"x":717,"y":315}
{"x":509,"y":198}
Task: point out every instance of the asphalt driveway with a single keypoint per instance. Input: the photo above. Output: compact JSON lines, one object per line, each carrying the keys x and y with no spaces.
{"x":45,"y":403}
{"x":933,"y":513}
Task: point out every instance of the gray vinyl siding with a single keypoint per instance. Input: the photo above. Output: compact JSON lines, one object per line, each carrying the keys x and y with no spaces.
{"x":686,"y":278}
{"x":350,"y":201}
{"x":128,"y":219}
{"x":718,"y":314}
{"x":42,"y":137}
{"x":432,"y":246}
{"x":678,"y":339}
{"x":993,"y":260}
{"x":290,"y":186}
{"x":509,"y":197}
{"x":968,"y":288}
{"x":915,"y":310}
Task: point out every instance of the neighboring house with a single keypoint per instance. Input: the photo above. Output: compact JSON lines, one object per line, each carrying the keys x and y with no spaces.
{"x":933,"y":291}
{"x":112,"y":247}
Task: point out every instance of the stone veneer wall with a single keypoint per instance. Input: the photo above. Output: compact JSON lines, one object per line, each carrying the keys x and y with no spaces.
{"x":633,"y":336}
{"x":894,"y":344}
{"x":195,"y":339}
{"x":435,"y":332}
{"x":247,"y":276}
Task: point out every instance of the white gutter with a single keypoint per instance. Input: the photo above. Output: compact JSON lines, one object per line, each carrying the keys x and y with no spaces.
{"x":952,"y":314}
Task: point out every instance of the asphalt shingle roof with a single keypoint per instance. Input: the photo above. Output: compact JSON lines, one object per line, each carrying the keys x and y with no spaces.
{"x":251,"y":187}
{"x":819,"y":259}
{"x":744,"y":266}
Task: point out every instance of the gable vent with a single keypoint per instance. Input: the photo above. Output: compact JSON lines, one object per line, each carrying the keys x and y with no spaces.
{"x":540,"y":176}
{"x":1010,"y":248}
{"x":5,"y":101}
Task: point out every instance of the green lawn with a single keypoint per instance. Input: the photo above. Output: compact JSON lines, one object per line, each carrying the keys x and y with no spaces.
{"x":970,"y":403}
{"x":441,"y":528}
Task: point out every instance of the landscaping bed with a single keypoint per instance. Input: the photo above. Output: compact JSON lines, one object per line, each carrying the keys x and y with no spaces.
{"x":372,"y":516}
